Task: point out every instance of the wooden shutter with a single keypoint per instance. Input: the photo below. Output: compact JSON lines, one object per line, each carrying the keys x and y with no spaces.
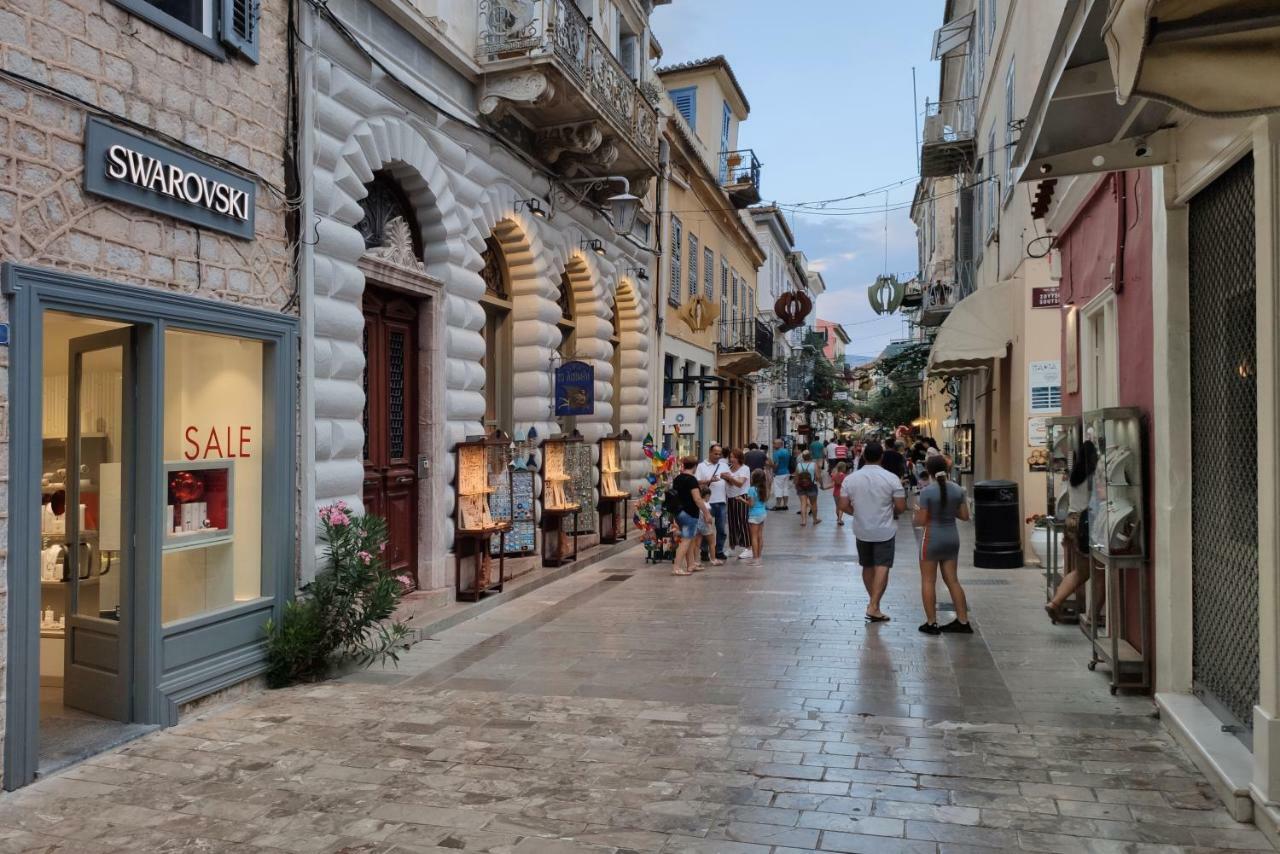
{"x":239,"y":28}
{"x":686,"y":103}
{"x":677,"y":242}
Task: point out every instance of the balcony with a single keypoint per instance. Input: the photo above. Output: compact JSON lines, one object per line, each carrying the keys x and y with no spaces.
{"x":949,"y":144}
{"x":951,"y":283}
{"x":553,"y":84}
{"x":745,"y":345}
{"x":740,"y":177}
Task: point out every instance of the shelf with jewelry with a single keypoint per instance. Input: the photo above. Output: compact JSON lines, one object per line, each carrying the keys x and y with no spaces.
{"x":560,"y":507}
{"x":1117,"y":540}
{"x":1062,"y":441}
{"x":614,"y":504}
{"x":483,"y":469}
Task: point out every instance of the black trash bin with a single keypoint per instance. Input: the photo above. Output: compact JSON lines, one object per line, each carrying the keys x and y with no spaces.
{"x":997,"y":530}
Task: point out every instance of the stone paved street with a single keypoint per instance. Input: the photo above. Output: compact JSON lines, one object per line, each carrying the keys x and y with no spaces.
{"x":742,"y":710}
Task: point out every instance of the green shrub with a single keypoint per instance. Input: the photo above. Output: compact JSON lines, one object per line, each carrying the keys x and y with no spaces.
{"x":344,"y":615}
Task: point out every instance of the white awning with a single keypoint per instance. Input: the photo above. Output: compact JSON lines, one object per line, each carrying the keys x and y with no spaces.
{"x":952,"y":34}
{"x":977,"y":331}
{"x":1203,"y":56}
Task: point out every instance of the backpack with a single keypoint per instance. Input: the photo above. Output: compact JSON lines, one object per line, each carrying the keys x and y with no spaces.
{"x":671,"y":503}
{"x":804,"y":480}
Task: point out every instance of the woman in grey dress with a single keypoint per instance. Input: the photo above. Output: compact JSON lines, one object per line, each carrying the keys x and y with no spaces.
{"x":941,"y":503}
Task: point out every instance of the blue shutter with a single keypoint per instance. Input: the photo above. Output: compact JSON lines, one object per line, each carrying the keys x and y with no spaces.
{"x":686,"y":102}
{"x":239,"y":27}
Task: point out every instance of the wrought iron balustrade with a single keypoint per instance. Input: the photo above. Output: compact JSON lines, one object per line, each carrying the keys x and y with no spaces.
{"x":746,"y":335}
{"x":740,"y":176}
{"x":558,"y":30}
{"x":949,"y":283}
{"x":949,"y":144}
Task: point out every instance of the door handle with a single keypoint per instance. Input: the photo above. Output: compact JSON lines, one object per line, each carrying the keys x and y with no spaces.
{"x":404,"y":478}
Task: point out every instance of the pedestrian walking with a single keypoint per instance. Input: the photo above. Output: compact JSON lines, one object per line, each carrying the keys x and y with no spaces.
{"x":874,"y":497}
{"x":757,"y":498}
{"x":830,"y":450}
{"x":1076,"y":538}
{"x":817,"y":452}
{"x":941,"y":504}
{"x":691,"y":512}
{"x":893,"y":460}
{"x":782,"y":463}
{"x":756,"y":457}
{"x":737,"y":481}
{"x":710,"y":474}
{"x":837,"y":481}
{"x":842,"y":451}
{"x":807,"y":475}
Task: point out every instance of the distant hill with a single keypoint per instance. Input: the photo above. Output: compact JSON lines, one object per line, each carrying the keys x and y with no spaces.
{"x":850,"y":359}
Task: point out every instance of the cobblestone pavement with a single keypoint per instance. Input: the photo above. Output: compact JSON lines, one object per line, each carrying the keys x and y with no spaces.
{"x":741,"y":710}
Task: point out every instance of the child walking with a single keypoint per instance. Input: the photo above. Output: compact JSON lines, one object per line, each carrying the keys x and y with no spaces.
{"x":757,"y":512}
{"x":837,"y":481}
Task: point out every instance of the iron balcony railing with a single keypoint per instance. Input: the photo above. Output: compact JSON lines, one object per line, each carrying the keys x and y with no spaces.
{"x":950,"y":283}
{"x":557,"y":28}
{"x":740,"y":176}
{"x":746,"y":335}
{"x":949,"y":144}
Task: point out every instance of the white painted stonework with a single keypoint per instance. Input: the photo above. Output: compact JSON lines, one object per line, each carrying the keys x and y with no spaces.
{"x":463,"y":186}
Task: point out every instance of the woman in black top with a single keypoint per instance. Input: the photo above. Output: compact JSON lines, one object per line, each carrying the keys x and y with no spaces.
{"x":692,"y":510}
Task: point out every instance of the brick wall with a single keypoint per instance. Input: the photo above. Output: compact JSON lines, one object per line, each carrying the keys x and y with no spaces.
{"x":94,"y":52}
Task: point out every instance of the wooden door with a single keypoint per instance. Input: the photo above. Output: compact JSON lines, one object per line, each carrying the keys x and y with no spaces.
{"x":391,"y":422}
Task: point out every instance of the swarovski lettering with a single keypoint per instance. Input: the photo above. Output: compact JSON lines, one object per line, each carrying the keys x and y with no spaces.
{"x":125,"y":164}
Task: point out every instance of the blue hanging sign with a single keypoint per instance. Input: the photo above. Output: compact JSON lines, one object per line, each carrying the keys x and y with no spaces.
{"x":575,"y":389}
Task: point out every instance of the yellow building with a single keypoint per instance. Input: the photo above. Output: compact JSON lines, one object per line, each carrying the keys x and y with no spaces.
{"x":713,"y":338}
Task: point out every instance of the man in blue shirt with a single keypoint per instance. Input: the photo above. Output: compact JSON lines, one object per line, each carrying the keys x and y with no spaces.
{"x":782,"y":465}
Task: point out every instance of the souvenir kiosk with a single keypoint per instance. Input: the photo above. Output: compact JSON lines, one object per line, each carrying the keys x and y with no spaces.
{"x":482,"y":461}
{"x":559,"y":506}
{"x":614,"y":506}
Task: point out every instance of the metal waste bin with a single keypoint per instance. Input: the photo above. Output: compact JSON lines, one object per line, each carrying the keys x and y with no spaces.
{"x":997,"y":530}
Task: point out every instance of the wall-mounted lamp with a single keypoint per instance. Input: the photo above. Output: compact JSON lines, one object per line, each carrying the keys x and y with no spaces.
{"x":639,"y":272}
{"x":595,"y":245}
{"x":534,"y":206}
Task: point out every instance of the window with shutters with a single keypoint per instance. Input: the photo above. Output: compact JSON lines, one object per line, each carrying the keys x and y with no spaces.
{"x":693,"y":266}
{"x":724,"y":280}
{"x":686,"y":101}
{"x":709,"y":274}
{"x":213,"y":26}
{"x":993,"y":186}
{"x":677,"y":242}
{"x":1009,"y":129}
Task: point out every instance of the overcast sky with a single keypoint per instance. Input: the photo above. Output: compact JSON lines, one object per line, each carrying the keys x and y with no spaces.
{"x":829,"y":83}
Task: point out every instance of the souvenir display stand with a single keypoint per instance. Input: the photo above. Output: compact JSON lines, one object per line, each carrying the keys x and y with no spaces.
{"x":581,"y":468}
{"x":1062,"y":437}
{"x":559,"y":506}
{"x":512,"y":499}
{"x":963,"y":452}
{"x":614,"y":507}
{"x":1117,"y":540}
{"x":480,"y":458}
{"x":656,"y":529}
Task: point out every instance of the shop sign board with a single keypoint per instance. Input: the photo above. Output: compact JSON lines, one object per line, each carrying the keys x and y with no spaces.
{"x":683,"y":419}
{"x":1045,"y":380}
{"x":129,"y":168}
{"x":575,"y":389}
{"x":1046,"y":297}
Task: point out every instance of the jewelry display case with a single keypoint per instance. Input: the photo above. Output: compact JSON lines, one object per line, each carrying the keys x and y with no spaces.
{"x":583,"y":477}
{"x":1062,"y":438}
{"x":513,"y":499}
{"x":962,"y":456}
{"x":560,"y":506}
{"x":614,"y":507}
{"x":1117,"y":539}
{"x":483,"y":468}
{"x":198,"y":509}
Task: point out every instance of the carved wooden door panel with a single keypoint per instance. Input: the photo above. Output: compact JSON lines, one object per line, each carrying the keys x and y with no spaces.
{"x":391,"y":422}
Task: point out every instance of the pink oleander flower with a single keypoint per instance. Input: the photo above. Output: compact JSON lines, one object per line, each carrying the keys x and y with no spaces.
{"x":334,"y":515}
{"x":406,"y":583}
{"x":365,"y":557}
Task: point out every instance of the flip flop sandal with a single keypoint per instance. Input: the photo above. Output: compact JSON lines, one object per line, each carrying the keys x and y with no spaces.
{"x":883,"y":618}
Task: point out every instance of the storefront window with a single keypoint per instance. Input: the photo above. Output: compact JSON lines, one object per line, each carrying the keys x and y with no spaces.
{"x":213,"y":454}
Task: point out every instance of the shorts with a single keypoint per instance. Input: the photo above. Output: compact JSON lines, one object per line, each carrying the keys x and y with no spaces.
{"x":688,"y":525}
{"x":759,"y":520}
{"x":781,"y":486}
{"x":876,"y":554}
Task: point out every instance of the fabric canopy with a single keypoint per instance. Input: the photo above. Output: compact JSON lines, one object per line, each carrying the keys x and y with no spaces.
{"x":1209,"y":57}
{"x":978,"y":330}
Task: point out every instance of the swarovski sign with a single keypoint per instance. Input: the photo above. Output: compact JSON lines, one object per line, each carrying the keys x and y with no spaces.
{"x":133,"y":169}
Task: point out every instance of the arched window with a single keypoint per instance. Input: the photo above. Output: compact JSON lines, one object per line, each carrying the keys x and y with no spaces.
{"x":497,"y":338}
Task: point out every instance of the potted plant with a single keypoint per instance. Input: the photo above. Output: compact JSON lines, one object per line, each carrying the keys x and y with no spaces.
{"x":1039,"y":537}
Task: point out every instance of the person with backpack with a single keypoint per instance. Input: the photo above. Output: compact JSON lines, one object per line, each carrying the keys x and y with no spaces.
{"x":686,"y":505}
{"x":807,"y":474}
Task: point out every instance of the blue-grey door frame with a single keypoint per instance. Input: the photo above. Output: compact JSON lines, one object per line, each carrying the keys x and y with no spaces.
{"x":239,"y":651}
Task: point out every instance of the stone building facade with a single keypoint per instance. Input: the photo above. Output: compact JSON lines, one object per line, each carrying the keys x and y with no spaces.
{"x":194,"y":94}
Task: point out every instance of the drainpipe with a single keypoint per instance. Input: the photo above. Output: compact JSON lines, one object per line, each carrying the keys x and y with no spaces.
{"x":1121,"y":187}
{"x":661,"y":286}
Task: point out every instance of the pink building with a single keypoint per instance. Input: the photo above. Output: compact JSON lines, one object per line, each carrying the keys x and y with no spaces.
{"x":836,"y":337}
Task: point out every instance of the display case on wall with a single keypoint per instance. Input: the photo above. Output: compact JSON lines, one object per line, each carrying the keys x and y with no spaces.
{"x":1062,"y":439}
{"x":1117,"y":539}
{"x":483,"y":468}
{"x":615,"y":502}
{"x":513,"y":499}
{"x":583,"y":477}
{"x":962,"y":454}
{"x":560,"y":507}
{"x":199,"y":504}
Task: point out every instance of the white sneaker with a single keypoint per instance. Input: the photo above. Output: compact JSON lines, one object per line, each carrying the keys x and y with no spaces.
{"x":744,"y":554}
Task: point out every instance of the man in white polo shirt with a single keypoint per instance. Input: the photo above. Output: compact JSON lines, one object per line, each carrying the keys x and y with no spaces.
{"x":711,"y":473}
{"x":874,"y":498}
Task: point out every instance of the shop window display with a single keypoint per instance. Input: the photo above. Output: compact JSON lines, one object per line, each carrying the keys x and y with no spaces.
{"x":213,"y":429}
